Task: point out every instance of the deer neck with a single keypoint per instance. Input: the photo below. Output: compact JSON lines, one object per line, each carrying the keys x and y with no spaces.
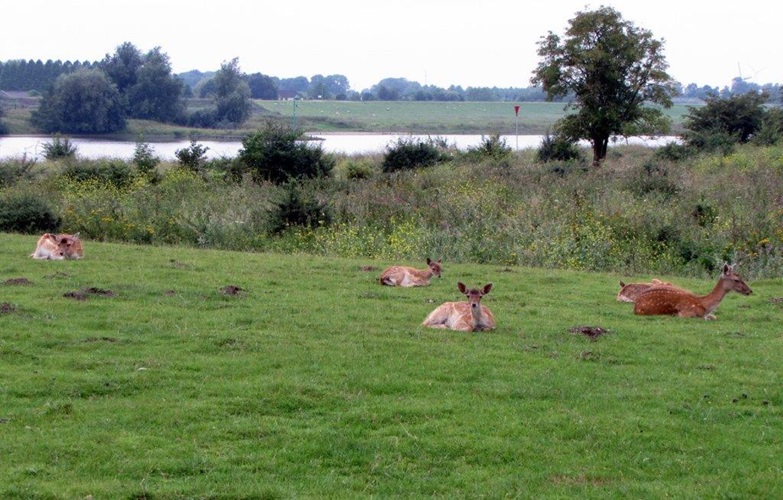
{"x":712,"y":299}
{"x":477,"y":314}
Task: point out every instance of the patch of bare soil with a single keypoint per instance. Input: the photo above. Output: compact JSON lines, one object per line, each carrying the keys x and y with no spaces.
{"x":591,"y":332}
{"x":231,"y":290}
{"x":17,"y":281}
{"x":86,"y":292}
{"x":7,"y":308}
{"x":368,"y":269}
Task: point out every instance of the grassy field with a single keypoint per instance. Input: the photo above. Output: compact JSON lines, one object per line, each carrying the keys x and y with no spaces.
{"x":372,"y":117}
{"x":162,"y":372}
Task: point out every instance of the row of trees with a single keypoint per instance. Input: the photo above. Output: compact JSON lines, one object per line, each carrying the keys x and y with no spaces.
{"x":129,"y":84}
{"x":21,"y":75}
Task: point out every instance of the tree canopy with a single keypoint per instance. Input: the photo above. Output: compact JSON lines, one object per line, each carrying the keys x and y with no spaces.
{"x":613,"y":70}
{"x":83,"y":102}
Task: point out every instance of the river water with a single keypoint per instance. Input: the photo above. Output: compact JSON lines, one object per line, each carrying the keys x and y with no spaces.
{"x":349,"y":144}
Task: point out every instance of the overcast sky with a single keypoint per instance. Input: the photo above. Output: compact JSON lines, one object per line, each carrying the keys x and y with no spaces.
{"x":474,"y":43}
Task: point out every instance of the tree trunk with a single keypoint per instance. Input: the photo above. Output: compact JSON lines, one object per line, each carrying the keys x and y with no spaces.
{"x":600,"y":146}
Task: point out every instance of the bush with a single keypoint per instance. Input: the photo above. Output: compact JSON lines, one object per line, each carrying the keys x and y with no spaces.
{"x":60,"y":147}
{"x":192,"y":158}
{"x":278,"y":154}
{"x":490,"y":147}
{"x":410,"y":153}
{"x":110,"y":171}
{"x":674,"y":152}
{"x":27,"y":213}
{"x":298,"y":207}
{"x":144,"y":158}
{"x":558,"y":148}
{"x":16,"y":169}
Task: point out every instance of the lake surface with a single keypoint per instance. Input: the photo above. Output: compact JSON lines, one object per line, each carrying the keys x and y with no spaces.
{"x":350,"y":144}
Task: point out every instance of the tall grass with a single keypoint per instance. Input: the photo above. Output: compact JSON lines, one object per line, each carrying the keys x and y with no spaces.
{"x":635,"y":214}
{"x":188,"y":373}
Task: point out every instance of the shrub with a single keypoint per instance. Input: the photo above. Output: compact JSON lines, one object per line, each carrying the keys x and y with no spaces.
{"x":298,"y":207}
{"x":144,"y":158}
{"x":278,"y":154}
{"x":16,"y":169}
{"x":674,"y":152}
{"x":193,"y":157}
{"x":558,"y":148}
{"x":110,"y":171}
{"x":60,"y":147}
{"x":410,"y":153}
{"x":227,"y":169}
{"x":358,"y":169}
{"x":27,"y":213}
{"x":492,"y":146}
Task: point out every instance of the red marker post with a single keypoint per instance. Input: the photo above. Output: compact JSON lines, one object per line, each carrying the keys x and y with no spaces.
{"x":516,"y":113}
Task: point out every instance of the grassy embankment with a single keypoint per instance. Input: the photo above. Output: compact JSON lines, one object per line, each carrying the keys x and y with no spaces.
{"x":314,"y":381}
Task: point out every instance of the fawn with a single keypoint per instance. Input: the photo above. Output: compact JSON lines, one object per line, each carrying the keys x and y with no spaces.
{"x":408,"y":276}
{"x":468,"y":316}
{"x":677,"y":302}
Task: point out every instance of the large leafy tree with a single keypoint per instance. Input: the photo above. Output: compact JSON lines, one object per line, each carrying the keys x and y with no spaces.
{"x":123,"y":66}
{"x":614,"y":70}
{"x":262,"y":86}
{"x":83,"y":102}
{"x":232,"y":94}
{"x":157,"y":94}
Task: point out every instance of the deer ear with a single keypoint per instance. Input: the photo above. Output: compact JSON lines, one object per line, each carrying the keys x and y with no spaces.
{"x":76,"y":236}
{"x":622,"y":284}
{"x":429,"y":261}
{"x":726,"y":269}
{"x":461,"y":286}
{"x":487,"y":288}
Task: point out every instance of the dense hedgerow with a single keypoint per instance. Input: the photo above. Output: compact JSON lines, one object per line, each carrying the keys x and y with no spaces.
{"x":637,"y":213}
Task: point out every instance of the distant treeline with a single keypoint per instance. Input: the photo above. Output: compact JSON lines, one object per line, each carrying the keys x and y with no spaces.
{"x":38,"y":76}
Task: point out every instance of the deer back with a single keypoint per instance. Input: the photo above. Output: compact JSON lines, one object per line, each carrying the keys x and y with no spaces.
{"x":679,"y":302}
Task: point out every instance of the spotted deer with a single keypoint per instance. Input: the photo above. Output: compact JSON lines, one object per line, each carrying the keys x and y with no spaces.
{"x":408,"y":276}
{"x":677,"y":302}
{"x":58,"y":247}
{"x":629,"y":292}
{"x":468,"y":316}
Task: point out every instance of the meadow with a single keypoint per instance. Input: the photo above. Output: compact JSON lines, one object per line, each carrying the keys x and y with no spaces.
{"x":356,"y":116}
{"x":175,"y":372}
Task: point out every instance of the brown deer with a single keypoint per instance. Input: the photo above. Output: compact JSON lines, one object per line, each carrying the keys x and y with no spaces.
{"x":629,"y":292}
{"x":408,"y":276}
{"x":468,"y":316}
{"x":677,"y":302}
{"x":58,"y":247}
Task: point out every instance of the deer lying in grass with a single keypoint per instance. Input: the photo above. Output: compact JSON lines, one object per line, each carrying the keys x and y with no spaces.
{"x":677,"y":302}
{"x":629,"y":292}
{"x":408,"y":276}
{"x":468,"y":316}
{"x":58,"y":247}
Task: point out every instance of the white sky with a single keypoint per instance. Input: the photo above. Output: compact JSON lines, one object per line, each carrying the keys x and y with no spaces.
{"x":440,"y":42}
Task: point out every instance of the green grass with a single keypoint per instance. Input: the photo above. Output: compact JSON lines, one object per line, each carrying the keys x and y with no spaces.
{"x":314,"y":381}
{"x":369,"y":116}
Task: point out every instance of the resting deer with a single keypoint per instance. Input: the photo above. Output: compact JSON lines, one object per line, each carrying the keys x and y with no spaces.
{"x":58,"y":247}
{"x":468,"y":316}
{"x":677,"y":302}
{"x":408,"y":276}
{"x":629,"y":292}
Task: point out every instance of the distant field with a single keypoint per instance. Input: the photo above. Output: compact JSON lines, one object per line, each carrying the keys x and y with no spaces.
{"x":426,"y":117}
{"x":371,"y":117}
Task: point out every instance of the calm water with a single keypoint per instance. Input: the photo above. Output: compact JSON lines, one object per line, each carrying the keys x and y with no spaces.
{"x":32,"y":146}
